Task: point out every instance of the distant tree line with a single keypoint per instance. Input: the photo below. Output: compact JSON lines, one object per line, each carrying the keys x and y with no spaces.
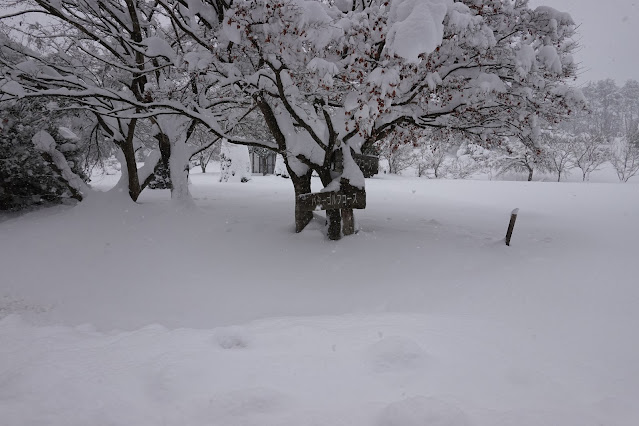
{"x":607,"y":131}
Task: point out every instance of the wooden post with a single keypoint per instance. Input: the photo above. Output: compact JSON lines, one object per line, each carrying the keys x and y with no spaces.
{"x":334,"y":221}
{"x":511,"y":225}
{"x":348,"y":222}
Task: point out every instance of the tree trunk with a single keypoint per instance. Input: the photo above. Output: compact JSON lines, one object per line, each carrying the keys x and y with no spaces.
{"x":530,"y":174}
{"x":165,"y":150}
{"x":203,"y":164}
{"x":301,"y":185}
{"x":132,"y":169}
{"x":179,"y":173}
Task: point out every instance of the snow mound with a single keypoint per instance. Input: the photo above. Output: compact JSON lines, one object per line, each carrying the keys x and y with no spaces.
{"x":422,"y":411}
{"x":397,"y":353}
{"x":232,"y":338}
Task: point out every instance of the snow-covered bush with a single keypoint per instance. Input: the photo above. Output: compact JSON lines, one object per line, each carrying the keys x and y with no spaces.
{"x":161,"y":177}
{"x":280,"y":167}
{"x":26,"y":177}
{"x":235,"y":163}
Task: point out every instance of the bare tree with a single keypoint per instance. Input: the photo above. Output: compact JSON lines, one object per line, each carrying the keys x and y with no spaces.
{"x":399,"y":156}
{"x":558,"y":152}
{"x":210,"y":149}
{"x":625,"y":159}
{"x":589,"y":153}
{"x":514,"y":155}
{"x":432,"y":155}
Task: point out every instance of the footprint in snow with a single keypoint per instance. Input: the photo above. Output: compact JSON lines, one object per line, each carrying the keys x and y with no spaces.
{"x":397,"y":354}
{"x":422,"y":411}
{"x":233,"y":337}
{"x":250,"y":402}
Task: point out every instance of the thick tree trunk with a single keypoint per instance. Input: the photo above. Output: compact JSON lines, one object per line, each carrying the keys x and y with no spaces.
{"x":530,"y":174}
{"x":165,"y":148}
{"x":301,"y":185}
{"x":161,"y":178}
{"x":132,"y":169}
{"x":179,"y":173}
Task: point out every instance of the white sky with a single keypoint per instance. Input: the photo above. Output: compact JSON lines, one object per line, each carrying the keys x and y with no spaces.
{"x":608,"y":35}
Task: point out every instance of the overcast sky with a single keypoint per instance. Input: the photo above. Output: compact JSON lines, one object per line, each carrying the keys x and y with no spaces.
{"x":608,"y":34}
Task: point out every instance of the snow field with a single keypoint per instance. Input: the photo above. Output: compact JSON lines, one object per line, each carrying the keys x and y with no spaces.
{"x":424,"y":317}
{"x":313,"y":371}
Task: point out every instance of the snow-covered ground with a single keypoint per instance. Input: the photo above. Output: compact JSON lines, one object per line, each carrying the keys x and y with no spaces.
{"x":115,"y":313}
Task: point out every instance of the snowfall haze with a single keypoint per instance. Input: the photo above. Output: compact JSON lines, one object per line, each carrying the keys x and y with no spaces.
{"x":319,"y":213}
{"x":608,"y":33}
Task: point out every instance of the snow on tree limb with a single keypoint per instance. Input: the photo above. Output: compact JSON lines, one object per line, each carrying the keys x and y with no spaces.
{"x":44,"y":143}
{"x":416,"y":27}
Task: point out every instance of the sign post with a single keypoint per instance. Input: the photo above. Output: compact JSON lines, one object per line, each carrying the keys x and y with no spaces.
{"x":348,"y":222}
{"x":340,"y":203}
{"x":334,"y":200}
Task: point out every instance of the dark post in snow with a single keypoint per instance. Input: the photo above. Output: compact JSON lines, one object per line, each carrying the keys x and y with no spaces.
{"x":348,"y":222}
{"x":511,"y":225}
{"x":333,"y":220}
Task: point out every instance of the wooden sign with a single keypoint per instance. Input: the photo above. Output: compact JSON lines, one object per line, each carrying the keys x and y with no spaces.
{"x":368,"y":164}
{"x":332,"y":200}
